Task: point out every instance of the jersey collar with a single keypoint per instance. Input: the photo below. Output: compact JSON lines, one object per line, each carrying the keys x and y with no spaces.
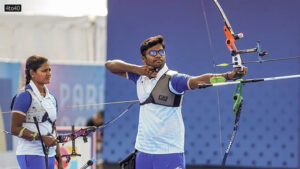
{"x":162,"y":71}
{"x":36,"y":90}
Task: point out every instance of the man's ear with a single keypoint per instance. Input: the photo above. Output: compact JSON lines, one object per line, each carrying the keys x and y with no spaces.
{"x":144,"y":58}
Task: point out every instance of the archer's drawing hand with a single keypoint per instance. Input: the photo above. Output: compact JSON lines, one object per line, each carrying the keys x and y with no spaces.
{"x":238,"y":73}
{"x":148,"y":71}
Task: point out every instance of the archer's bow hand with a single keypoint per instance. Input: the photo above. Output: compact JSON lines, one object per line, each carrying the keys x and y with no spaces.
{"x":49,"y":141}
{"x":237,"y":73}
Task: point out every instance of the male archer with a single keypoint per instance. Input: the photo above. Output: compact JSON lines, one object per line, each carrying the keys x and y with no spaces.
{"x":160,"y":137}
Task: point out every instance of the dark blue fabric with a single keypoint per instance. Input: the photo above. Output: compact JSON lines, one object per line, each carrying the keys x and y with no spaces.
{"x":133,"y":76}
{"x":28,"y":87}
{"x":22,"y":102}
{"x":159,"y":161}
{"x":35,"y":162}
{"x":55,"y":101}
{"x":179,"y":82}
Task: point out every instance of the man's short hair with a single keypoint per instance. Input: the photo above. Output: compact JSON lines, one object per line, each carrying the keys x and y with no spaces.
{"x":150,"y":42}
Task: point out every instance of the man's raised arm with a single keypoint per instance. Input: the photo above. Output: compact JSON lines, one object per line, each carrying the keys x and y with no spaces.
{"x":121,"y":68}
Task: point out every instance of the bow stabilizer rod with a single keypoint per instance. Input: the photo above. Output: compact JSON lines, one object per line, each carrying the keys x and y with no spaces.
{"x":261,"y":61}
{"x":200,"y":86}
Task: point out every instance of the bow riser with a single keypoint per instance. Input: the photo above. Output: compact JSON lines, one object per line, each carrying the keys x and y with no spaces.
{"x":230,"y":42}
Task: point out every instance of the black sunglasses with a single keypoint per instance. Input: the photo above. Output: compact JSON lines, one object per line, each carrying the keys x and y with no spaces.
{"x":161,"y":52}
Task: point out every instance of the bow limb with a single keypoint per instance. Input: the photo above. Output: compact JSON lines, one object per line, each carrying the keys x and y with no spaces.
{"x":84,"y":132}
{"x":237,"y":107}
{"x":230,"y":38}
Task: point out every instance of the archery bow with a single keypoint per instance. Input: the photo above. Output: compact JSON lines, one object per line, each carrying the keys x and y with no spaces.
{"x":237,"y":62}
{"x":84,"y":132}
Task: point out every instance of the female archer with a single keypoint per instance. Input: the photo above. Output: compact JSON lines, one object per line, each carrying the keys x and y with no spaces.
{"x":34,"y":112}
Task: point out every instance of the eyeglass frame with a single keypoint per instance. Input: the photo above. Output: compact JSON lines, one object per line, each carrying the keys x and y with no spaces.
{"x":157,"y":52}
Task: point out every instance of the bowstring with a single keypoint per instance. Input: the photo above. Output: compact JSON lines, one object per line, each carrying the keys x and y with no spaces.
{"x":212,"y":56}
{"x":88,"y":105}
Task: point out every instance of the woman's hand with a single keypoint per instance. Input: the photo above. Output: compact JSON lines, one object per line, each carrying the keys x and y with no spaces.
{"x":49,"y":141}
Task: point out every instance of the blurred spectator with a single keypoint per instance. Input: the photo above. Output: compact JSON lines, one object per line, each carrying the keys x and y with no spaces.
{"x":96,"y":119}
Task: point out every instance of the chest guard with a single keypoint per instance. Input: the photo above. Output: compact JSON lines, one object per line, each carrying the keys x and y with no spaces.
{"x":36,"y":110}
{"x":161,"y":93}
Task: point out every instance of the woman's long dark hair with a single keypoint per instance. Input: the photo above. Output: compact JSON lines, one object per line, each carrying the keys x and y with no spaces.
{"x":33,"y":63}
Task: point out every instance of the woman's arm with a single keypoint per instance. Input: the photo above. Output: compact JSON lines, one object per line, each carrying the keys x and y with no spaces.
{"x":17,"y":119}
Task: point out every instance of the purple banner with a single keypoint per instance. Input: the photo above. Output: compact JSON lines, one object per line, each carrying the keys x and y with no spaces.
{"x":79,"y":90}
